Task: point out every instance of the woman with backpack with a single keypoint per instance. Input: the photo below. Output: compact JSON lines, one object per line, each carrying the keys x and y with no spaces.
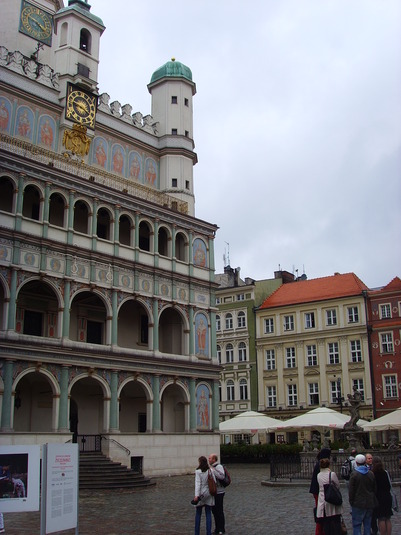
{"x":203,"y":497}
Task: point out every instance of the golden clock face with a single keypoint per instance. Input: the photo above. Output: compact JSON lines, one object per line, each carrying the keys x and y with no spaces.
{"x":81,"y":107}
{"x":36,"y":23}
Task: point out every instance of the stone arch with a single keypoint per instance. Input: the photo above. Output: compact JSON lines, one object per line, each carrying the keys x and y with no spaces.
{"x":91,"y":393}
{"x":82,"y":216}
{"x":135,"y":405}
{"x":145,"y":233}
{"x":133,"y":327}
{"x":104,"y":223}
{"x":181,"y":246}
{"x":32,"y":202}
{"x":173,"y":331}
{"x":125,"y":228}
{"x":164,"y":240}
{"x":174,"y":407}
{"x":90,"y":317}
{"x":35,"y":401}
{"x":57,"y":209}
{"x":8,"y":190}
{"x":39,"y":308}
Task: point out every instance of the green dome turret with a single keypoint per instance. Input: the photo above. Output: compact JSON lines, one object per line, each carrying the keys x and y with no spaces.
{"x":172,"y":69}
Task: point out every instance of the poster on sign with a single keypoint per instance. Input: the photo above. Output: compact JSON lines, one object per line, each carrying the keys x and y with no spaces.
{"x":19,"y":478}
{"x":60,"y":487}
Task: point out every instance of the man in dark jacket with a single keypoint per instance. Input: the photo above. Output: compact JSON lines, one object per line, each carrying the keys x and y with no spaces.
{"x":324,"y":453}
{"x":362,"y":496}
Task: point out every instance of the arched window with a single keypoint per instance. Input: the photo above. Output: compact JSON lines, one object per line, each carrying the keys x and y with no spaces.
{"x":229,"y":321}
{"x":180,"y":247}
{"x":56,"y":210}
{"x":31,"y":205}
{"x":81,"y":217}
{"x":218,"y":323}
{"x":103,"y":224}
{"x":124,"y":231}
{"x":85,"y":40}
{"x":144,"y":236}
{"x":229,"y":353}
{"x":163,"y":241}
{"x":243,"y":389}
{"x":230,"y":390}
{"x":241,"y":319}
{"x":242,"y":352}
{"x":219,"y":354}
{"x":6,"y":194}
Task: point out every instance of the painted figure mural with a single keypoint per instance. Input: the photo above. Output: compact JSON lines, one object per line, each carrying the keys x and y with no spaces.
{"x":151,"y":172}
{"x":202,"y":336}
{"x":118,"y":159}
{"x":5,"y":112}
{"x":135,"y":165}
{"x":100,"y":152}
{"x":200,"y":253}
{"x":46,"y":131}
{"x":203,"y":407}
{"x":24,"y":122}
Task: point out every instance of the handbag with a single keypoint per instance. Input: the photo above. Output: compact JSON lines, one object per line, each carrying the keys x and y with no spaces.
{"x":394,"y":501}
{"x":332,"y":493}
{"x":212,"y":483}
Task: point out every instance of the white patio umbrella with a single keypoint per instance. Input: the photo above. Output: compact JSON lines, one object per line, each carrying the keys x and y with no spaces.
{"x":392,"y":420}
{"x":322,"y":417}
{"x":249,"y":422}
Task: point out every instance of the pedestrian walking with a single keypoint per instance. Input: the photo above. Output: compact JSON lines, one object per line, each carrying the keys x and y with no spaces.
{"x":202,"y":498}
{"x":384,"y":510}
{"x":327,"y":514}
{"x":324,"y":453}
{"x":218,"y":508}
{"x":362,"y":496}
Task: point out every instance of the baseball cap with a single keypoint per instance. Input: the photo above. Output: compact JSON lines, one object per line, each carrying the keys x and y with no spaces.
{"x":360,"y":459}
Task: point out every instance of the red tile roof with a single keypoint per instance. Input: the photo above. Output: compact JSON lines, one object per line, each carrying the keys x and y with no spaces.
{"x":392,"y":286}
{"x":335,"y":286}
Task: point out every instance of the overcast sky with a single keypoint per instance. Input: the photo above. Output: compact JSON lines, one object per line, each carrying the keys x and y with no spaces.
{"x":297,"y":123}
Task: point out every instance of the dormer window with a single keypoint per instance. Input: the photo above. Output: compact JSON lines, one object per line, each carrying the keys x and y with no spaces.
{"x":85,"y":41}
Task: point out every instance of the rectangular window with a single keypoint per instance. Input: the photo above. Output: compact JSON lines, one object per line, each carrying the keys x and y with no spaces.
{"x":230,"y":391}
{"x":292,"y":395}
{"x":240,"y":297}
{"x":243,"y":390}
{"x":271,"y":396}
{"x":313,"y":393}
{"x":289,"y":323}
{"x":270,"y":359}
{"x":358,"y":384}
{"x":385,"y":311}
{"x":186,"y":133}
{"x":312,"y":355}
{"x":229,"y":353}
{"x":186,"y":102}
{"x":241,"y":320}
{"x":174,"y":100}
{"x":390,"y":386}
{"x":309,"y":320}
{"x":174,"y":131}
{"x":219,"y":354}
{"x":356,"y":352}
{"x":353,"y":315}
{"x":334,"y":356}
{"x":331,"y":317}
{"x":187,"y":184}
{"x":218,"y":323}
{"x":290,"y":357}
{"x":335,"y":390}
{"x":269,"y":325}
{"x":229,"y":321}
{"x":173,"y":182}
{"x":386,"y":342}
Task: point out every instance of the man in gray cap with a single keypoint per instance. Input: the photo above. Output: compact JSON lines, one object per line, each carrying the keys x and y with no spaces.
{"x":362,"y":496}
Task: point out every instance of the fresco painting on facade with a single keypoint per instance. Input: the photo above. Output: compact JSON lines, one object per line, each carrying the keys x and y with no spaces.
{"x":5,"y":114}
{"x":135,"y":164}
{"x":47,"y":128}
{"x":24,"y":123}
{"x":199,"y":253}
{"x":100,"y":152}
{"x":202,"y":335}
{"x":203,"y":407}
{"x":151,"y":172}
{"x":118,"y":159}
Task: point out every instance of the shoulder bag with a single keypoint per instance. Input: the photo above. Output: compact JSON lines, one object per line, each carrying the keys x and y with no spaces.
{"x":394,"y":501}
{"x":212,"y":483}
{"x":332,"y":493}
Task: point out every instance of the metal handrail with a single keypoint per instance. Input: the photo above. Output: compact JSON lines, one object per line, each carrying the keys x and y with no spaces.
{"x":118,"y":444}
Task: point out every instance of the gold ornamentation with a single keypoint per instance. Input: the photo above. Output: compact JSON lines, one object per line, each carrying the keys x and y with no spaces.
{"x":81,"y":106}
{"x":76,"y":140}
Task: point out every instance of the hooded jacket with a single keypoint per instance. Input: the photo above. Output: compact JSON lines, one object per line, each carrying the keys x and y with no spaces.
{"x":324,"y":453}
{"x":362,"y":488}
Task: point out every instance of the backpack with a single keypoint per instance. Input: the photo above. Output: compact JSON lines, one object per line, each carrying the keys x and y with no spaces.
{"x":346,"y":469}
{"x":227,"y":478}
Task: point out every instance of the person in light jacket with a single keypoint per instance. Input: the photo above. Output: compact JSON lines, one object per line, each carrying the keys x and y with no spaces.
{"x":327,"y":514}
{"x":202,"y":496}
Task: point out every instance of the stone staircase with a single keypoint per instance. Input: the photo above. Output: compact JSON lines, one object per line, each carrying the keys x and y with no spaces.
{"x":96,"y":471}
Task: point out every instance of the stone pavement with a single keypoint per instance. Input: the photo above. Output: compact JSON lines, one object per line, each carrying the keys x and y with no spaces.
{"x":165,"y":509}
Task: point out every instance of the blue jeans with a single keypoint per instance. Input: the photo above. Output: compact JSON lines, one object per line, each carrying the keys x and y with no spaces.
{"x":359,"y":517}
{"x":198,"y":516}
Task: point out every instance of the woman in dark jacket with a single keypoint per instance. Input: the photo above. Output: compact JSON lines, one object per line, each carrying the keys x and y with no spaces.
{"x":324,"y":453}
{"x":383,"y":511}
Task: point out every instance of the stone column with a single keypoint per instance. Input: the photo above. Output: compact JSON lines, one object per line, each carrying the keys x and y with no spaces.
{"x":215,"y":405}
{"x":192,"y":407}
{"x":8,"y":398}
{"x":156,"y":403}
{"x":63,"y":424}
{"x":114,"y":402}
